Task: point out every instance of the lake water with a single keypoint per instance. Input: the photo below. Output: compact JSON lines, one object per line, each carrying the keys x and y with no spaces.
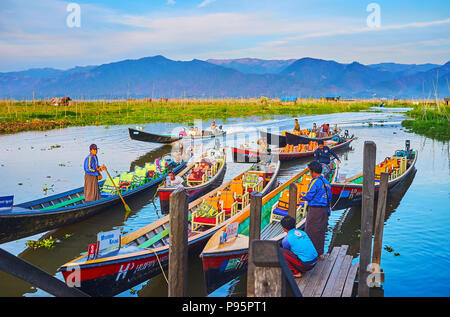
{"x":416,"y":226}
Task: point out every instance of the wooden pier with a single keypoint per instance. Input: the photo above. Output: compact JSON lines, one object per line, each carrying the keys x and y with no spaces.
{"x":333,"y":276}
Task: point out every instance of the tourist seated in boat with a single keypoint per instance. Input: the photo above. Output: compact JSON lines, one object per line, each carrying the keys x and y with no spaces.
{"x":298,"y":249}
{"x":173,"y":180}
{"x":197,"y":132}
{"x":183,"y":132}
{"x":323,"y":155}
{"x":318,"y":198}
{"x":213,"y":127}
{"x":92,"y":175}
{"x":314,"y":128}
{"x":324,"y":130}
{"x":297,"y":126}
{"x":191,"y":132}
{"x":262,"y":146}
{"x":335,"y":130}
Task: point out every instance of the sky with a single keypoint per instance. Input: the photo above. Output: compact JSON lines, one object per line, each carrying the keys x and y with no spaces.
{"x":51,"y":33}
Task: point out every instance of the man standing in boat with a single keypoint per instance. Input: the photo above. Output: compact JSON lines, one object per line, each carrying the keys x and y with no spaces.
{"x":92,"y":175}
{"x":319,"y":199}
{"x":323,"y":155}
{"x":297,"y":126}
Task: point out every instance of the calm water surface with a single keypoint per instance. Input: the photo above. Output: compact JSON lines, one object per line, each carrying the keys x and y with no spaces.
{"x":416,"y":225}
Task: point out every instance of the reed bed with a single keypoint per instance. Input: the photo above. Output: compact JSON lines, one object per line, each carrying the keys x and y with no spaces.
{"x":19,"y":116}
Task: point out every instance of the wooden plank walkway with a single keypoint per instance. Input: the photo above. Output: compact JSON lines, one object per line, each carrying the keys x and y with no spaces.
{"x":333,"y":276}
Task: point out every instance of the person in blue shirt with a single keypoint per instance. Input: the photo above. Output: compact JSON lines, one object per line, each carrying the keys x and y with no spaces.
{"x":323,"y":155}
{"x":92,"y":175}
{"x":297,"y":248}
{"x":319,"y":198}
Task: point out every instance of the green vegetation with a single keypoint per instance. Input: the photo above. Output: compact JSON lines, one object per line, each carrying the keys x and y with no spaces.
{"x":45,"y":243}
{"x":39,"y":115}
{"x":431,"y":121}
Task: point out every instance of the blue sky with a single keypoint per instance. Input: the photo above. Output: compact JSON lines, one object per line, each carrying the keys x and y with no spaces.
{"x":35,"y":33}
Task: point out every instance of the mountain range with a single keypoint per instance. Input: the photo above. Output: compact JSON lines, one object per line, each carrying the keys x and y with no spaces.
{"x":159,"y":77}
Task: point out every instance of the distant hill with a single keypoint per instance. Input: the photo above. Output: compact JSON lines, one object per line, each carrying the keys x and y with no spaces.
{"x":159,"y":77}
{"x":253,"y":65}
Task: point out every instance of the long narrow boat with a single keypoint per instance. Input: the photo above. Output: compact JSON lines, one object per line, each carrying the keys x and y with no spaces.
{"x":348,"y":192}
{"x":272,"y":138}
{"x":224,"y":261}
{"x":159,"y":138}
{"x":295,"y":139}
{"x":58,"y":210}
{"x":199,"y":178}
{"x":145,"y":252}
{"x":246,"y":155}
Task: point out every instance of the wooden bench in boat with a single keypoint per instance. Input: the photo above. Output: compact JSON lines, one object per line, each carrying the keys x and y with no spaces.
{"x":64,"y":203}
{"x":333,"y":276}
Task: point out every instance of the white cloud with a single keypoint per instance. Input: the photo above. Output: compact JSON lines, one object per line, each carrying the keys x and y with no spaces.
{"x":171,"y":2}
{"x":205,"y":3}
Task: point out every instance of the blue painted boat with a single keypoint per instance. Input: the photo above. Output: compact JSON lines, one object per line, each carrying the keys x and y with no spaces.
{"x":58,"y":210}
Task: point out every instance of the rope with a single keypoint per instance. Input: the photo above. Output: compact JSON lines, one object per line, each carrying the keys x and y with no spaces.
{"x":160,"y":265}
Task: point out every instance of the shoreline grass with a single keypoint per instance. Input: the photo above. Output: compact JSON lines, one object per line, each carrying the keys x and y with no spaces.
{"x":431,"y":121}
{"x":20,"y":116}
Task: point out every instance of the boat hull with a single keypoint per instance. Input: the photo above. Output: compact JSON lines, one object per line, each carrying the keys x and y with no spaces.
{"x":250,"y":156}
{"x":150,"y":137}
{"x":166,"y":139}
{"x":115,"y":277}
{"x":301,"y":139}
{"x":22,"y":222}
{"x":193,"y":193}
{"x":348,"y":195}
{"x":272,"y":138}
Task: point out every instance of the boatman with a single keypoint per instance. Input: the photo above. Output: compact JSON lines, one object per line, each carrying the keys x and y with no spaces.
{"x":92,"y":175}
{"x":297,"y":126}
{"x":297,"y":248}
{"x":322,"y":155}
{"x":319,"y":199}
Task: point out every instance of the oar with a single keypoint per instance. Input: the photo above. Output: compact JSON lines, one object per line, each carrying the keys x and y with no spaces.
{"x":127,"y":209}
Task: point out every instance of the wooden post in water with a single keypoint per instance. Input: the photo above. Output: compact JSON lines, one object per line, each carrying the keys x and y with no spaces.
{"x":254,"y":234}
{"x":178,"y":243}
{"x":292,"y":211}
{"x":272,"y":275}
{"x":368,"y":197}
{"x":379,"y":225}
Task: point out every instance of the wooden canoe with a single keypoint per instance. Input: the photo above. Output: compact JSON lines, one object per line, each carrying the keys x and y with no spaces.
{"x":348,"y":193}
{"x":158,"y":138}
{"x":250,"y":155}
{"x":196,"y":190}
{"x":226,"y":261}
{"x":295,"y":139}
{"x":58,"y":210}
{"x":145,"y":251}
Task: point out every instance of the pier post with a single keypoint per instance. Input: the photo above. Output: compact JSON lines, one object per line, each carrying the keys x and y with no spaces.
{"x":178,"y":243}
{"x":254,"y":234}
{"x":292,"y":211}
{"x":272,"y":275}
{"x":379,"y":225}
{"x":368,"y":198}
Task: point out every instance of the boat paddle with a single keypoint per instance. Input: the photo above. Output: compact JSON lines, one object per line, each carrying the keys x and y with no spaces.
{"x":127,"y":209}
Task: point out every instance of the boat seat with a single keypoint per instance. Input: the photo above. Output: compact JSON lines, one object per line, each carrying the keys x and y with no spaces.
{"x":242,"y":197}
{"x":228,"y":203}
{"x":64,"y":203}
{"x":206,"y":215}
{"x":280,"y":209}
